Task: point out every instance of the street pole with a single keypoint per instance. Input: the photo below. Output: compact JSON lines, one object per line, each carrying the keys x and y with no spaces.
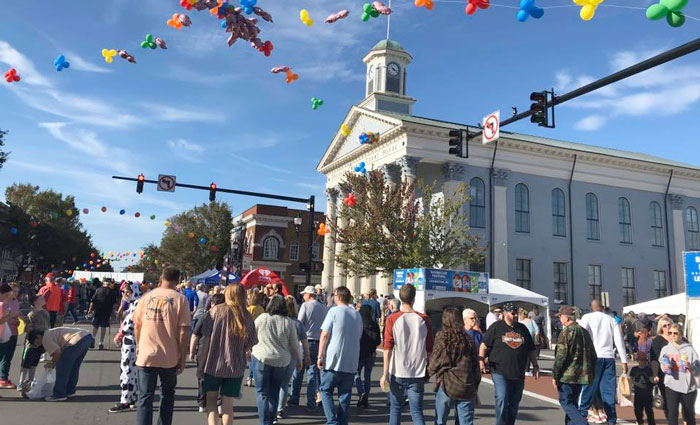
{"x":311,"y":227}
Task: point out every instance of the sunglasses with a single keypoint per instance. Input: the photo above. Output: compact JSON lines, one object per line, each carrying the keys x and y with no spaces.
{"x":665,"y":325}
{"x":674,"y":333}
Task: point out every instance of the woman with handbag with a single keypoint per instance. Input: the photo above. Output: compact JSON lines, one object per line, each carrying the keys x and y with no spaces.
{"x":455,"y":366}
{"x":661,"y":339}
{"x":681,"y":366}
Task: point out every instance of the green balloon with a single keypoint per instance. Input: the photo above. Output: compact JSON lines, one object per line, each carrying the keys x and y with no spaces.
{"x":149,"y":37}
{"x":374,"y":13}
{"x":657,"y":11}
{"x":674,"y":5}
{"x":675,"y":19}
{"x":365,"y":17}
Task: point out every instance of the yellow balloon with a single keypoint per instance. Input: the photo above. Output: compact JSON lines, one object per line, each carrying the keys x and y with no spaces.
{"x":587,"y":12}
{"x":345,"y":130}
{"x":69,"y":212}
{"x":310,"y":22}
{"x":20,"y":327}
{"x":167,"y":223}
{"x":304,"y":14}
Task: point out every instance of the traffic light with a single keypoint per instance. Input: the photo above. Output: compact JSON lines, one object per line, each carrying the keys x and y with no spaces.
{"x":540,"y":108}
{"x":139,"y":183}
{"x":212,"y":192}
{"x":458,"y":144}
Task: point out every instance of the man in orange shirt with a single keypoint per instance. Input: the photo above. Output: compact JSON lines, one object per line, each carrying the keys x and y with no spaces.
{"x":52,"y":294}
{"x":161,"y":327}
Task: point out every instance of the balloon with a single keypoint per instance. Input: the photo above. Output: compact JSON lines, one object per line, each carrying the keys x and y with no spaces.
{"x":304,"y":16}
{"x":203,"y":240}
{"x":109,"y":54}
{"x":152,"y":217}
{"x":278,"y":69}
{"x":265,"y":47}
{"x":148,"y":42}
{"x":588,"y":8}
{"x":528,"y":8}
{"x":350,"y":200}
{"x":213,"y":248}
{"x":11,"y":76}
{"x":381,"y":8}
{"x":137,"y":215}
{"x":33,"y":225}
{"x":187,"y":4}
{"x":337,"y":16}
{"x":166,"y":223}
{"x":125,"y":55}
{"x":84,"y":264}
{"x":92,"y":255}
{"x":61,"y":63}
{"x":69,"y":212}
{"x":428,"y":4}
{"x":161,"y":43}
{"x":670,"y":9}
{"x":291,"y":76}
{"x":470,"y":9}
{"x":91,"y":262}
{"x":315,"y":103}
{"x":248,"y":6}
{"x":368,"y":11}
{"x":344,"y":130}
{"x":103,"y":209}
{"x":175,"y":21}
{"x":77,"y":267}
{"x":13,"y":230}
{"x":191,"y":235}
{"x":85,"y":210}
{"x":122,"y":212}
{"x":323,"y":229}
{"x":92,"y":267}
{"x":368,"y":137}
{"x":361,"y":168}
{"x":176,"y":228}
{"x":111,"y":253}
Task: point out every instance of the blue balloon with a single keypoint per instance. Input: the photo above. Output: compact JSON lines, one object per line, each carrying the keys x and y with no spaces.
{"x":13,"y":230}
{"x":84,"y":264}
{"x":203,"y":240}
{"x":122,"y":212}
{"x":92,"y":267}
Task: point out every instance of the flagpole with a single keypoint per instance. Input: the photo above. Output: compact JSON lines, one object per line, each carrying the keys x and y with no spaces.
{"x":388,"y":23}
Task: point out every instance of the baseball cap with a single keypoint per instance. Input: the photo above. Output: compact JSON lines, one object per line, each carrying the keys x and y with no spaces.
{"x":510,"y":307}
{"x":308,"y":290}
{"x":50,"y":275}
{"x":318,"y":286}
{"x":566,"y":310}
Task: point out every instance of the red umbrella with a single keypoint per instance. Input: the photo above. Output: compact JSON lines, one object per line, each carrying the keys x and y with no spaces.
{"x":262,"y":277}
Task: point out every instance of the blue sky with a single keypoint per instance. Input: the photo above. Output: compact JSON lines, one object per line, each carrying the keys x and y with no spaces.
{"x":208,"y":112}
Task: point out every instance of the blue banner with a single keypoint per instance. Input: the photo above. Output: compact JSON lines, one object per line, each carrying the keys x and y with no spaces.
{"x":691,"y":265}
{"x":443,"y":280}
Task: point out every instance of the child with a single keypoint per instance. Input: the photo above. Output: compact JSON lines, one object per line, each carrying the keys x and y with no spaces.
{"x":643,"y":389}
{"x":216,"y":299}
{"x":38,"y":320}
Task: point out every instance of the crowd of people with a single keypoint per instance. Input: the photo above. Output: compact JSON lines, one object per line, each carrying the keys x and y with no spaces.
{"x":261,"y":338}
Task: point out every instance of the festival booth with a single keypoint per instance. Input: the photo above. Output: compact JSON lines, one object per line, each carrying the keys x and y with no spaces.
{"x":117,"y":277}
{"x":437,"y":289}
{"x":262,"y":277}
{"x":212,"y":277}
{"x":673,"y":304}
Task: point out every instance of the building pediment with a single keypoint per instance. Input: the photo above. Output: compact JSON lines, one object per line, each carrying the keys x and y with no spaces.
{"x":358,"y":120}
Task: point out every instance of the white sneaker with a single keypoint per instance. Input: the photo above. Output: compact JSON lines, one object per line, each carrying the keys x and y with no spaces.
{"x":528,"y":373}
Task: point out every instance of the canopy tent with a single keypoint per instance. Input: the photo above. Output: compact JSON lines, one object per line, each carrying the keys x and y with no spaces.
{"x":501,"y":291}
{"x":212,"y":277}
{"x":117,"y":277}
{"x":262,"y":277}
{"x":673,"y":305}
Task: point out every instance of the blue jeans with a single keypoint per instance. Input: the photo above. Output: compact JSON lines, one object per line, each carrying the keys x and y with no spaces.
{"x":464,"y":409}
{"x":72,"y":312}
{"x":368,"y":364}
{"x":331,"y":379}
{"x":284,"y":388}
{"x":268,"y":380}
{"x":568,"y":399}
{"x":604,"y":379}
{"x":508,"y":393}
{"x":68,"y":367}
{"x":414,"y":388}
{"x":148,"y":378}
{"x":251,"y":367}
{"x":313,"y":378}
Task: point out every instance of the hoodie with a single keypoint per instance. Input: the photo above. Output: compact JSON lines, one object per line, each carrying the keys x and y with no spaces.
{"x":684,"y":367}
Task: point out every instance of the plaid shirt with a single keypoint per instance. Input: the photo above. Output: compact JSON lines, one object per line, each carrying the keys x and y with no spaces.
{"x":456,"y":372}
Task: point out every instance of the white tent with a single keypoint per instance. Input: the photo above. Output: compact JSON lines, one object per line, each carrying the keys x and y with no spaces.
{"x":501,"y":291}
{"x":673,"y":305}
{"x":118,"y":277}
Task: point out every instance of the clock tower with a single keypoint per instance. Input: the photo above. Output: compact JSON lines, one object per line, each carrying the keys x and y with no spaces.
{"x":385,"y":88}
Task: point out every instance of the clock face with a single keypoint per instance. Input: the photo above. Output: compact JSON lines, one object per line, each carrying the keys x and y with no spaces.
{"x":393,"y":69}
{"x":371,"y":72}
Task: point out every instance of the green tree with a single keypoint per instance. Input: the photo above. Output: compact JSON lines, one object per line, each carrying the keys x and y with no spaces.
{"x":390,"y":227}
{"x":3,"y":155}
{"x":181,"y":243}
{"x":49,"y":233}
{"x":150,"y":264}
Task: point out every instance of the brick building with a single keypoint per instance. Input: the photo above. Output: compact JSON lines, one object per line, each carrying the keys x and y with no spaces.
{"x":266,"y":236}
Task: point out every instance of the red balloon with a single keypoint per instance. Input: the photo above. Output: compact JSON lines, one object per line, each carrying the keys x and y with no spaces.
{"x":104,"y":209}
{"x":92,"y":255}
{"x":90,"y":262}
{"x":33,"y":224}
{"x":137,"y":215}
{"x":213,"y":248}
{"x":85,"y":210}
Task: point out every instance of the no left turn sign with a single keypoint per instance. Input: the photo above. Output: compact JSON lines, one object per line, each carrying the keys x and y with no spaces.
{"x":491,"y":127}
{"x":166,"y":183}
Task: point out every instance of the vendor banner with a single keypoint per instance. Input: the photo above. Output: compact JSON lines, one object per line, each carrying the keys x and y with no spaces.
{"x":443,"y":280}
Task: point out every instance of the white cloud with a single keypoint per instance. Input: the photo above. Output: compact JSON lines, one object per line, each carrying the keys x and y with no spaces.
{"x":25,"y":68}
{"x":186,"y":150}
{"x":78,"y":63}
{"x":180,"y":114}
{"x":252,"y":164}
{"x":590,"y":123}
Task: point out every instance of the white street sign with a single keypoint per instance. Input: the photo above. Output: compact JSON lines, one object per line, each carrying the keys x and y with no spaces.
{"x":166,"y":183}
{"x":491,"y":127}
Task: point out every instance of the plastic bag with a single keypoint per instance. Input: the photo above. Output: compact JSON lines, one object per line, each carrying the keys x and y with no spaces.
{"x":623,"y":387}
{"x":5,"y":333}
{"x":43,"y":387}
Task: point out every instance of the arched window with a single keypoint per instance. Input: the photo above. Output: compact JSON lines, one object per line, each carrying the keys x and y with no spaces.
{"x":294,"y":251}
{"x":657,"y":226}
{"x":271,"y":247}
{"x":477,"y":203}
{"x":522,"y":209}
{"x":592,"y":218}
{"x":625,"y":219}
{"x":693,"y":229}
{"x":558,"y":213}
{"x":315,"y":251}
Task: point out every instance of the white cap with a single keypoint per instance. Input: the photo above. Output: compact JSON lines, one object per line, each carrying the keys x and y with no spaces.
{"x":308,"y":290}
{"x":318,"y":286}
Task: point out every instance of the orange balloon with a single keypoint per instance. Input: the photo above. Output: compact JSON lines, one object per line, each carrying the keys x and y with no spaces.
{"x":191,"y":235}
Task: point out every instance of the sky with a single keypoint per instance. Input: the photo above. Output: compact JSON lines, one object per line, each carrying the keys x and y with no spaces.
{"x":206,"y":112}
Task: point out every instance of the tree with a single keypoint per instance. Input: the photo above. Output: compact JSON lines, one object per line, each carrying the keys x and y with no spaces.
{"x":181,"y":245}
{"x":150,"y":264}
{"x":3,"y":155}
{"x":390,"y":227}
{"x":49,"y":235}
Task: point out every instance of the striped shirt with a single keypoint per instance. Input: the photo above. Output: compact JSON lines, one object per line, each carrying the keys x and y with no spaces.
{"x":227,"y":353}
